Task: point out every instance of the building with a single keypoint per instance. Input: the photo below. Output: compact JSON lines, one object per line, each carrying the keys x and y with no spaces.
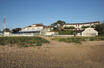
{"x":47,"y":31}
{"x":1,"y":33}
{"x":34,"y":27}
{"x":80,"y":26}
{"x":6,"y":33}
{"x":88,"y":32}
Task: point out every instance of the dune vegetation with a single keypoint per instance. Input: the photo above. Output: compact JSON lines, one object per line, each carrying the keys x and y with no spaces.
{"x":23,"y":41}
{"x":52,"y":57}
{"x":78,"y":39}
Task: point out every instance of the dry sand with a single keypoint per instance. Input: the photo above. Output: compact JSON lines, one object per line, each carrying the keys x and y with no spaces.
{"x":54,"y":55}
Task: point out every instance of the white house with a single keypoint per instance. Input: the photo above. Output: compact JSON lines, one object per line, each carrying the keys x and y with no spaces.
{"x":89,"y":32}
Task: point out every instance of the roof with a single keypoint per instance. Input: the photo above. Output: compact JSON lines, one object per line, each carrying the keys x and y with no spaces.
{"x":38,"y":24}
{"x":27,"y":32}
{"x":91,"y":30}
{"x":29,"y":26}
{"x":47,"y":26}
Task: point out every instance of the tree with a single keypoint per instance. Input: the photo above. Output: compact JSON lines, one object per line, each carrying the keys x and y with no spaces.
{"x":58,"y":25}
{"x":6,"y":30}
{"x":100,"y":28}
{"x":16,"y":30}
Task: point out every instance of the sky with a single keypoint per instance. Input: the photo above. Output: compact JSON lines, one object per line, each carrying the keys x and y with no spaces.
{"x":22,"y":13}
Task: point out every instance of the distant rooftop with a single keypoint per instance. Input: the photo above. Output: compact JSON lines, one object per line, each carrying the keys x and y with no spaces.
{"x":38,"y":24}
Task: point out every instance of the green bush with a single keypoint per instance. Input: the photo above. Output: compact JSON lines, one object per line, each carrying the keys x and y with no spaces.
{"x":66,"y":32}
{"x":85,"y":26}
{"x":100,"y":29}
{"x":23,"y":41}
{"x":97,"y":38}
{"x":92,"y":39}
{"x":71,"y":27}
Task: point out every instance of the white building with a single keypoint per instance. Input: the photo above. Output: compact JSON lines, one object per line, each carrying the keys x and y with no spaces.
{"x":47,"y":31}
{"x":79,"y":26}
{"x":6,"y":33}
{"x":34,"y":27}
{"x":88,"y":32}
{"x":50,"y":33}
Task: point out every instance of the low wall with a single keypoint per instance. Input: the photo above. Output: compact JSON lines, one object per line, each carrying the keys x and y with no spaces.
{"x":64,"y":35}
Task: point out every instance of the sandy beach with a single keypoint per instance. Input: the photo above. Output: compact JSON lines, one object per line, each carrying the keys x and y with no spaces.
{"x":89,"y":54}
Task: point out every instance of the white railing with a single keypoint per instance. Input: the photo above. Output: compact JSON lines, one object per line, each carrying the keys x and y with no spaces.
{"x":27,"y":34}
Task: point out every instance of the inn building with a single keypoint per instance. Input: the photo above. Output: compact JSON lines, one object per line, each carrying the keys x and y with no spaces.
{"x":79,"y":26}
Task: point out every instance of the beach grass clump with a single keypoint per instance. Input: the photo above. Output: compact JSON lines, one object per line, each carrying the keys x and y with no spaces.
{"x":23,"y":41}
{"x":97,"y":38}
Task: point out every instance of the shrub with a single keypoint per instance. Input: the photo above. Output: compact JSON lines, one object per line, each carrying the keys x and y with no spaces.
{"x":97,"y":38}
{"x":66,"y":32}
{"x":71,"y":27}
{"x":100,"y":29}
{"x":85,"y":26}
{"x":91,"y":39}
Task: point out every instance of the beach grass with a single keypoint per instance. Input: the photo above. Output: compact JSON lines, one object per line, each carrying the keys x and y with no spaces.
{"x":23,"y":41}
{"x":78,"y":39}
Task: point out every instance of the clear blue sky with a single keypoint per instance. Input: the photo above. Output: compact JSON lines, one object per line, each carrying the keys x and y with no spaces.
{"x":21,"y":13}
